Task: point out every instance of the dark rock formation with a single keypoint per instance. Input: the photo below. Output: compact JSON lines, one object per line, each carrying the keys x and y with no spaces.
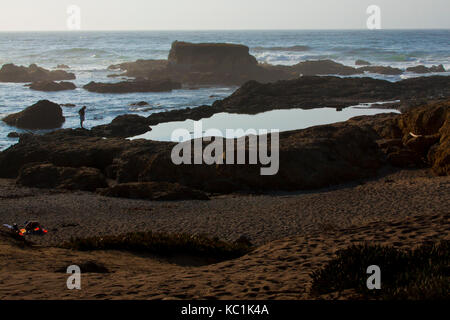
{"x":231,"y":64}
{"x":305,"y":93}
{"x":430,"y":138}
{"x":362,"y":63}
{"x":13,"y":73}
{"x":123,"y":126}
{"x":157,"y":191}
{"x":316,"y":157}
{"x":206,"y":64}
{"x":333,"y":92}
{"x":152,"y":69}
{"x":324,"y":67}
{"x":50,"y":176}
{"x":139,"y":104}
{"x":381,"y":70}
{"x":52,"y":86}
{"x":207,"y":57}
{"x":62,"y":66}
{"x":133,"y":86}
{"x":423,"y":69}
{"x":42,"y":115}
{"x":75,"y":148}
{"x":13,"y":135}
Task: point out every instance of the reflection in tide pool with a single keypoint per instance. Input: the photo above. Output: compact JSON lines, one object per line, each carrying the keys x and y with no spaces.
{"x":283,"y":120}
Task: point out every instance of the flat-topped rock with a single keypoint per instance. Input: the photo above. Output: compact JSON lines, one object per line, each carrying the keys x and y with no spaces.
{"x":133,"y":86}
{"x":210,"y":57}
{"x":50,"y":86}
{"x":33,"y":73}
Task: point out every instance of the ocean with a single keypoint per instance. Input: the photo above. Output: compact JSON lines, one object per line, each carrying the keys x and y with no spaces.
{"x":90,"y":53}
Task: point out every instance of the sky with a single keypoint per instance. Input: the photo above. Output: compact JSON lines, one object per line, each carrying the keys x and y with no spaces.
{"x":50,"y":15}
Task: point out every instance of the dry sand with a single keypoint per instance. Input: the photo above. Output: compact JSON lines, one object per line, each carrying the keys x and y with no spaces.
{"x":296,"y":234}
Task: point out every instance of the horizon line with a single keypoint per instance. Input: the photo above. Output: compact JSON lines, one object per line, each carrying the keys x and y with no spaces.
{"x":193,"y":30}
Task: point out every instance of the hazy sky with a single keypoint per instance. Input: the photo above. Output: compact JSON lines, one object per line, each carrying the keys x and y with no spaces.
{"x":221,"y":14}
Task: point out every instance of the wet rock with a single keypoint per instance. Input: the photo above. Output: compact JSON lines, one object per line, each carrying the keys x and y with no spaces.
{"x":50,"y":176}
{"x":13,"y":135}
{"x":334,"y":92}
{"x":33,"y":73}
{"x":62,"y":66}
{"x":362,"y":63}
{"x":42,"y":115}
{"x":382,"y":70}
{"x":158,"y":191}
{"x":123,"y":126}
{"x":151,"y":69}
{"x":139,"y":104}
{"x":133,"y":86}
{"x":197,"y":64}
{"x":211,"y":57}
{"x":422,"y":69}
{"x":313,"y":92}
{"x":52,"y":86}
{"x":323,"y":67}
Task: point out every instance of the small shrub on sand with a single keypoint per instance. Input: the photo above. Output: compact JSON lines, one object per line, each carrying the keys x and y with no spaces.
{"x":87,"y":267}
{"x":164,"y":244}
{"x":419,"y":274}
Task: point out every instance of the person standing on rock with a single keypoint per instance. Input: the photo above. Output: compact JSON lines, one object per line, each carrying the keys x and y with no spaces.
{"x":82,"y":114}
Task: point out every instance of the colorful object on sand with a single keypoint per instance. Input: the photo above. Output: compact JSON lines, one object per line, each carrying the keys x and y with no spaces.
{"x":30,"y":228}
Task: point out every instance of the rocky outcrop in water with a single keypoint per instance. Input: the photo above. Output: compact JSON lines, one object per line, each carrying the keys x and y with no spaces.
{"x":382,"y":70}
{"x":197,"y":64}
{"x":133,"y":86}
{"x":362,"y":63}
{"x":42,"y":115}
{"x":423,"y":69}
{"x":324,"y":67}
{"x":206,"y":64}
{"x":33,"y":73}
{"x":49,"y":86}
{"x":316,"y":157}
{"x":305,"y":93}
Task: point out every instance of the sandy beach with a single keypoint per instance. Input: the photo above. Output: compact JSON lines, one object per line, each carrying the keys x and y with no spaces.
{"x":296,"y":233}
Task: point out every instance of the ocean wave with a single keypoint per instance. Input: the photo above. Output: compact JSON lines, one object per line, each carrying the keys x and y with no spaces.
{"x":297,"y":48}
{"x":80,"y":52}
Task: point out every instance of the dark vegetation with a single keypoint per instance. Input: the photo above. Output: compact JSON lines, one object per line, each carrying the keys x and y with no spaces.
{"x":420,"y":274}
{"x":166,"y":245}
{"x":87,"y":267}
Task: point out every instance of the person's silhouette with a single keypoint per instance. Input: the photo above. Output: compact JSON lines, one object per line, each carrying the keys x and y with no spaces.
{"x":82,"y":114}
